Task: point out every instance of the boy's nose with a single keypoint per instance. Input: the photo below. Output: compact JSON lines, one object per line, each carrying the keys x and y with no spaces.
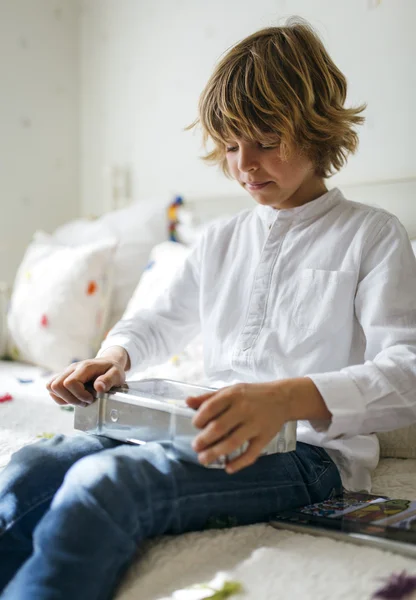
{"x":247,"y":162}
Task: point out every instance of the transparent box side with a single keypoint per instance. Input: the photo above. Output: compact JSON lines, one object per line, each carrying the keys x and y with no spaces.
{"x":155,"y":410}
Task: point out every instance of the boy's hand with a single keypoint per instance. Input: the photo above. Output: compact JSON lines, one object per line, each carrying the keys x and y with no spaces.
{"x":105,"y":372}
{"x":249,"y":412}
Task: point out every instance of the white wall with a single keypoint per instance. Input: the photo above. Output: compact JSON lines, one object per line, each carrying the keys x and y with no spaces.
{"x":144,"y":64}
{"x":39,"y":122}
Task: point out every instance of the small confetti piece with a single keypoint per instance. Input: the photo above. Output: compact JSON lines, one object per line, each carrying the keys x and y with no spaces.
{"x":24,"y":380}
{"x":398,"y":587}
{"x":149,"y":265}
{"x":68,"y":408}
{"x":6,"y":398}
{"x":175,"y":360}
{"x":46,"y":435}
{"x":92,"y":288}
{"x":44,"y":321}
{"x":204,"y":591}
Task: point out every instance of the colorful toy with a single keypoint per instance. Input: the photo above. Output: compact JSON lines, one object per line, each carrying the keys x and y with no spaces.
{"x":173,"y":218}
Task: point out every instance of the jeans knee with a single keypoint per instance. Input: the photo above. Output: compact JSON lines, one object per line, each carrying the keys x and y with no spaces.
{"x":39,"y":451}
{"x":100,"y":483}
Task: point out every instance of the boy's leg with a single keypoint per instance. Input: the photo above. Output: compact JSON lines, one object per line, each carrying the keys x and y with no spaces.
{"x":27,"y":485}
{"x":113,"y":500}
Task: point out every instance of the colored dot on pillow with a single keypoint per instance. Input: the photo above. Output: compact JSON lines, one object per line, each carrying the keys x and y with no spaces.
{"x":92,"y":288}
{"x":149,"y":265}
{"x":6,"y":398}
{"x":44,"y":321}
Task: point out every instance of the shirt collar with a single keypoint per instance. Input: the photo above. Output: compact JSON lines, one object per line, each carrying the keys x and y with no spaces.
{"x":309,"y":210}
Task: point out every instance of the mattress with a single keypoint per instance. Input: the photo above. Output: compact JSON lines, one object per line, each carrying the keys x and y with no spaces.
{"x":263,"y":559}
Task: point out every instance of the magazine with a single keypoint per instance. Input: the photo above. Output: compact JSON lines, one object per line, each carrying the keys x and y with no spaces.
{"x":360,"y":518}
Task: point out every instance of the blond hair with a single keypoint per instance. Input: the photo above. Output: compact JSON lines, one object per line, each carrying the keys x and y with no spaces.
{"x":280,"y":87}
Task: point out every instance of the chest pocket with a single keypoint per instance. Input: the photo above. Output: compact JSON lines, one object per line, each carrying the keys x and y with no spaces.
{"x":324,"y":300}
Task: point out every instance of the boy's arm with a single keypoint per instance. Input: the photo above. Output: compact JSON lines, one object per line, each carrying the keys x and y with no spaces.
{"x":379,"y":395}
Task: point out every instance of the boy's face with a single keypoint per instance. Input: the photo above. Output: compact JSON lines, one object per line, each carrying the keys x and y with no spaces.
{"x":269,"y":179}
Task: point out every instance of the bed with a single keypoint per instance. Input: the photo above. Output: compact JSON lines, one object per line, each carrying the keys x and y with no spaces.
{"x":263,"y":559}
{"x":267,"y":562}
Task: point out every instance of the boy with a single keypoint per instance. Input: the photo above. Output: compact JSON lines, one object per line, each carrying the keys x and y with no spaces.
{"x":306,"y":305}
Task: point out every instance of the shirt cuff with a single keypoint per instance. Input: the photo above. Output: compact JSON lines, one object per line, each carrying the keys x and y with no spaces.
{"x":126,"y":343}
{"x":344,"y":401}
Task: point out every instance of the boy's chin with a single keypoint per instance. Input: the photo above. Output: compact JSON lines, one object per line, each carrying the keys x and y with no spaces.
{"x":264,"y":199}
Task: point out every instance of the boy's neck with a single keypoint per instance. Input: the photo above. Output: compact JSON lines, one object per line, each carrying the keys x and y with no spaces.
{"x":308,"y":191}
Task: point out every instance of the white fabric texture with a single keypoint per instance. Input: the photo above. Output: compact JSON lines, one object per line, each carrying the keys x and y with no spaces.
{"x":137,"y":228}
{"x":400,"y":443}
{"x":60,"y":302}
{"x":164,"y":261}
{"x":325,"y":289}
{"x":263,"y":559}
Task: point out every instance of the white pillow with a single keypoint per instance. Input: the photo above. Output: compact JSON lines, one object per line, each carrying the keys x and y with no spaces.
{"x":400,"y":443}
{"x":137,"y":228}
{"x":165,"y":259}
{"x":59,"y":303}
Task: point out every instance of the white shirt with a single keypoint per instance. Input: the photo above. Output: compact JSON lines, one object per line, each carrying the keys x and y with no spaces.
{"x":325,"y":290}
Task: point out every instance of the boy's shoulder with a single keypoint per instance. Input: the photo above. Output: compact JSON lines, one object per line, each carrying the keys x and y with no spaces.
{"x":370,"y":216}
{"x":371,"y":210}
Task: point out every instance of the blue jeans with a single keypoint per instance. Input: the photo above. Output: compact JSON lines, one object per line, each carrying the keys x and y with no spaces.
{"x":73,"y":511}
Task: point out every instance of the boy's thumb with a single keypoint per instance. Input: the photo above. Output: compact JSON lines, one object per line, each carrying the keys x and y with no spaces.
{"x":99,"y":385}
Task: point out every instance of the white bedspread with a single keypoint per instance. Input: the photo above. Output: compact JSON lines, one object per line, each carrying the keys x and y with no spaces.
{"x":269,"y":563}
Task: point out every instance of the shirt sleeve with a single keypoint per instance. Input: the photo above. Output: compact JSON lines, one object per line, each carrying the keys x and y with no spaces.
{"x":379,"y":395}
{"x":151,"y":336}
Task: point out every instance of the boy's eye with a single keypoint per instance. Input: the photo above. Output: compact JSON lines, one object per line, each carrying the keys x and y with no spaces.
{"x":260,"y":145}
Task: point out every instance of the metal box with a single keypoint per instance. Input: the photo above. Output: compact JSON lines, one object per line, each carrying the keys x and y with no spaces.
{"x":155,"y":410}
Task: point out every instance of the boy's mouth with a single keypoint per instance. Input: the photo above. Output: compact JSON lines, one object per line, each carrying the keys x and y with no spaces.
{"x":256,"y":186}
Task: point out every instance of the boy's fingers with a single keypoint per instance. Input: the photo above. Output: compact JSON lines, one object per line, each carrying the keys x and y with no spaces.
{"x":69,"y":391}
{"x":196,"y":401}
{"x":248,"y":458}
{"x":60,"y":378}
{"x":77,"y":389}
{"x":57,"y":399}
{"x":112,"y":378}
{"x":212,"y":409}
{"x":100,"y":385}
{"x":226,"y":445}
{"x":67,"y":399}
{"x":216,"y":430}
